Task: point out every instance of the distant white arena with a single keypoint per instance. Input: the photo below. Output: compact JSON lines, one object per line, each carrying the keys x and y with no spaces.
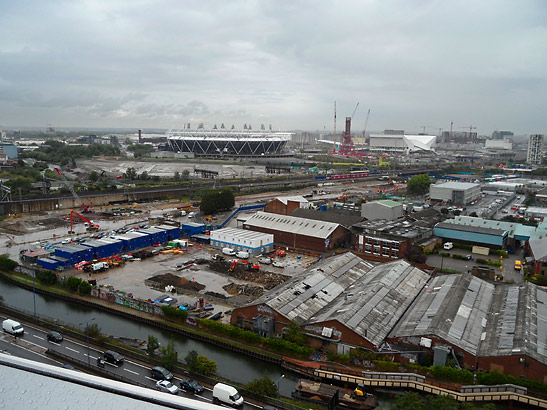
{"x":229,"y":143}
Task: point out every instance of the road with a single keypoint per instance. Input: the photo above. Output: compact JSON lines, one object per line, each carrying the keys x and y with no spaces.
{"x":34,"y":344}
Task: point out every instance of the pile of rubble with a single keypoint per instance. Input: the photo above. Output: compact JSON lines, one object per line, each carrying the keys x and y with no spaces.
{"x":247,"y":290}
{"x":268,"y":280}
{"x":161,"y":281}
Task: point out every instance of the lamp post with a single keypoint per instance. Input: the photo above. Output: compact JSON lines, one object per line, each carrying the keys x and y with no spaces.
{"x":34,"y":291}
{"x":277,"y":384}
{"x":87,"y":335}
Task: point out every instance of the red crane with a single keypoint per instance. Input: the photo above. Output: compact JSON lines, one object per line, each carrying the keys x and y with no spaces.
{"x":92,"y":226}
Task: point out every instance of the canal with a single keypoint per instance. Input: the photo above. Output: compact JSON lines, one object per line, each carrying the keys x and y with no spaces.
{"x":230,"y":365}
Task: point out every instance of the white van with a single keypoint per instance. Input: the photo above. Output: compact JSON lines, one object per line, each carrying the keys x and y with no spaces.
{"x":227,"y":394}
{"x":242,"y":255}
{"x":182,"y":213}
{"x":191,"y":214}
{"x":448,"y":245}
{"x":12,"y":327}
{"x":228,"y":251}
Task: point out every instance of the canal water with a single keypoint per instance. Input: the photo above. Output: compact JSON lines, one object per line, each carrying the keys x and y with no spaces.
{"x":230,"y":365}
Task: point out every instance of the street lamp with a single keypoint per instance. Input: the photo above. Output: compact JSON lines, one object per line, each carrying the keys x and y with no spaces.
{"x":277,"y":384}
{"x":34,"y":291}
{"x":87,"y":335}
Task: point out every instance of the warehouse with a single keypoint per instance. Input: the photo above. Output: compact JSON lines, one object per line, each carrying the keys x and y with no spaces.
{"x":456,"y":193}
{"x":484,"y":326}
{"x":285,"y":205}
{"x":299,"y":233}
{"x":345,"y":301}
{"x":255,"y":243}
{"x":383,"y":209}
{"x":473,"y":235}
{"x":399,"y":144}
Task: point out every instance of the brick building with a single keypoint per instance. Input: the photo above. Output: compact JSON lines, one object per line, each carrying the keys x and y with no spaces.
{"x":285,"y":205}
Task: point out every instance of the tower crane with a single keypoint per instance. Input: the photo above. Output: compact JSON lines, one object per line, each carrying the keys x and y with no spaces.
{"x":73,"y":192}
{"x":366,"y":123}
{"x":471,"y":128}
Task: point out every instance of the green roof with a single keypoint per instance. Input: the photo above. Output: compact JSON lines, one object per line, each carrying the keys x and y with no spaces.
{"x":389,"y":203}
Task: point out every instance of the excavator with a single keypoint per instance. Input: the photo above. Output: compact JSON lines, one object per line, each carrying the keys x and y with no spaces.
{"x":91,"y":226}
{"x":250,"y":265}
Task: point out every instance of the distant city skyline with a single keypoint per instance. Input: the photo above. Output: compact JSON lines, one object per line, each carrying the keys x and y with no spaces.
{"x":162,"y":64}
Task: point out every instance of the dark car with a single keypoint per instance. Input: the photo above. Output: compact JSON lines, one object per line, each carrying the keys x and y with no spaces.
{"x":161,"y":373}
{"x":113,"y":357}
{"x":55,"y":337}
{"x":191,"y":385}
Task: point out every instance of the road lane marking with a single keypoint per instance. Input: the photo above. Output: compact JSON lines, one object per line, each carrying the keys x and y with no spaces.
{"x":74,"y":350}
{"x":38,"y":337}
{"x":131,"y":371}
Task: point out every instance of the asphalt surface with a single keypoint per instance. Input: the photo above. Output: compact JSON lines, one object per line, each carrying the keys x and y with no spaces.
{"x":34,"y":344}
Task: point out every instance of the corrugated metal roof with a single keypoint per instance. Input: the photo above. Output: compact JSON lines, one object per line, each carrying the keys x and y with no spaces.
{"x":285,"y":223}
{"x":296,"y":198}
{"x":514,"y":229}
{"x":456,"y":185}
{"x":470,"y":228}
{"x":241,"y":233}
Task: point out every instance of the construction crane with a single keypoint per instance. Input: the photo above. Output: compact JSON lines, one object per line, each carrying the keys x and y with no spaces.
{"x":346,"y":143}
{"x":366,"y":123}
{"x":85,"y":208}
{"x":471,"y":128}
{"x":91,"y":226}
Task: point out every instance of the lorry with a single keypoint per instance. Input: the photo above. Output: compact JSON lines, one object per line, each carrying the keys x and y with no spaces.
{"x":223,"y":393}
{"x":99,"y":266}
{"x":12,"y":327}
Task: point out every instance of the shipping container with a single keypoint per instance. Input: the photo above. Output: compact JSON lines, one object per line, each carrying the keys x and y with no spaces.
{"x":48,"y":263}
{"x":138,"y":239}
{"x":173,"y":232}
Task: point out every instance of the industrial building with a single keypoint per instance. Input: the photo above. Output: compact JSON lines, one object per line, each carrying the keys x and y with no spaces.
{"x":383,"y":209}
{"x":535,"y":149}
{"x":285,"y":205}
{"x":393,"y":239}
{"x":345,"y":301}
{"x":485,"y":326}
{"x":541,"y":198}
{"x":401,"y":144}
{"x":255,"y":243}
{"x":538,"y":256}
{"x":456,"y":193}
{"x":479,"y":231}
{"x":228,"y":143}
{"x":299,"y":233}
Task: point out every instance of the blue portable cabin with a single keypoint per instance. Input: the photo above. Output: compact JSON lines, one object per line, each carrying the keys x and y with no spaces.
{"x":62,"y":261}
{"x":154,"y":236}
{"x":192,"y":228}
{"x":99,"y":249}
{"x":173,"y":232}
{"x":74,"y":253}
{"x":163,"y":234}
{"x":127,"y":242}
{"x":138,"y":239}
{"x":115,"y":246}
{"x":48,"y":263}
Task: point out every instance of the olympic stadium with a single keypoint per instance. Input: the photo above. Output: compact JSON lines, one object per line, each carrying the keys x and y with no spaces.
{"x":229,"y":143}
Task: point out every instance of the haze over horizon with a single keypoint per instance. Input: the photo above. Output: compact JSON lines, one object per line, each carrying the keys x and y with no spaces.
{"x":162,"y":64}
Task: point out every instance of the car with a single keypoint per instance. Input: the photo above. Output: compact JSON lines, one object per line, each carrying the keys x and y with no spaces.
{"x":113,"y":357}
{"x":265,"y":260}
{"x":55,"y":337}
{"x":469,"y":257}
{"x":448,"y":245}
{"x":191,"y":385}
{"x":278,"y":264}
{"x":161,"y":373}
{"x":65,"y":241}
{"x":68,"y":366}
{"x":518,"y":265}
{"x":167,"y":386}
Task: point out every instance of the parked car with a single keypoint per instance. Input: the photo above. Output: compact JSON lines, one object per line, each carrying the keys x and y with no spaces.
{"x":518,"y":265}
{"x":265,"y":260}
{"x":469,"y":257}
{"x":54,"y":337}
{"x":278,"y":264}
{"x":191,"y":385}
{"x":113,"y":357}
{"x":167,"y":386}
{"x":161,"y":373}
{"x":448,"y":245}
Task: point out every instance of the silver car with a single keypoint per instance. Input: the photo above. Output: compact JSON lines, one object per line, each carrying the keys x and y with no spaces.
{"x":167,"y":386}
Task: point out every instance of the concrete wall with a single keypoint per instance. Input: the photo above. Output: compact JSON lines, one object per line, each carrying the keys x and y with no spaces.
{"x":375,"y":210}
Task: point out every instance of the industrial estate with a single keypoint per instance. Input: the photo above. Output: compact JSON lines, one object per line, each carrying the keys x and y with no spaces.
{"x":418,"y":250}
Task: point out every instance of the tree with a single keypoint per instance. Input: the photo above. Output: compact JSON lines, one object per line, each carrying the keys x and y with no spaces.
{"x":473,"y":214}
{"x":94,"y":176}
{"x":177,"y":175}
{"x":185,"y":175}
{"x":144,"y":176}
{"x":93,"y":330}
{"x":73,"y":283}
{"x":198,"y":363}
{"x":130,"y":173}
{"x":263,"y":386}
{"x":85,"y":288}
{"x":152,"y":345}
{"x":215,"y":200}
{"x":168,"y":356}
{"x":418,"y":185}
{"x":7,"y":264}
{"x":295,"y":334}
{"x":410,"y":401}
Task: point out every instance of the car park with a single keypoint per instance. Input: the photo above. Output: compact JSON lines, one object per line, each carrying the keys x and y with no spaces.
{"x":161,"y":373}
{"x":113,"y":357}
{"x":167,"y":386}
{"x":191,"y":385}
{"x":55,"y":337}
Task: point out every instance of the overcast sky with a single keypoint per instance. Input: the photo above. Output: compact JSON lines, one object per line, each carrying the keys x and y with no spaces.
{"x":161,"y":64}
